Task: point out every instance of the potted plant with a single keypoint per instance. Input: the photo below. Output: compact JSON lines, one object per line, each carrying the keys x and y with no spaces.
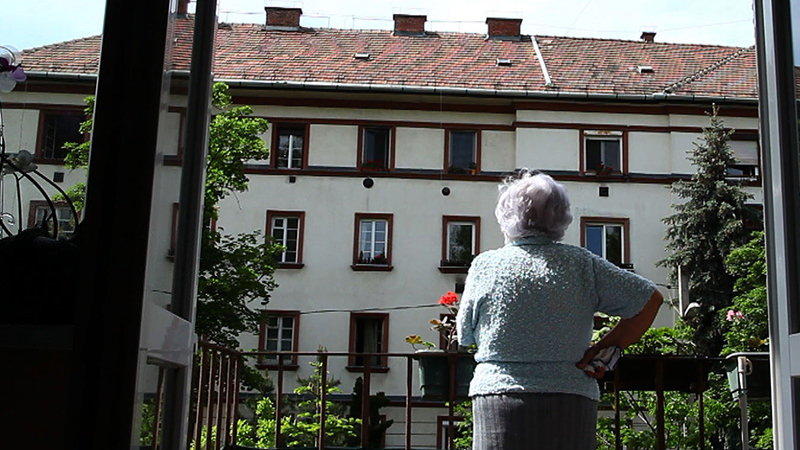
{"x":434,"y":364}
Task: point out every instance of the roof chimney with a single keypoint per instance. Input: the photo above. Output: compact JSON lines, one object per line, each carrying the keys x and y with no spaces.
{"x":409,"y":25}
{"x":183,"y":8}
{"x":504,"y":29}
{"x":287,"y":19}
{"x":648,"y":36}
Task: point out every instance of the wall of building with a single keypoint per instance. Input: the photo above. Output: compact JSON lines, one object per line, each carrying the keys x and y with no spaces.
{"x":330,"y":193}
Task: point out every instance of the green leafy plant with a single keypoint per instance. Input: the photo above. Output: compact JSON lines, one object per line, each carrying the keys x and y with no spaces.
{"x":302,"y":429}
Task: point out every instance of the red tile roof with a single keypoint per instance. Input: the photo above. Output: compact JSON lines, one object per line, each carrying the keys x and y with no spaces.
{"x":248,"y":52}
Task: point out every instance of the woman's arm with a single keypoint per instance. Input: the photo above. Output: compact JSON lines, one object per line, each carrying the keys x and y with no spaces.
{"x":625,"y":333}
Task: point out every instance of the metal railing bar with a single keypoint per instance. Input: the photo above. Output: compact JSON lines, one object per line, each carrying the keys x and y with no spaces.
{"x":198,"y":422}
{"x":409,"y":388}
{"x":365,"y":391}
{"x":157,"y":410}
{"x":323,"y":396}
{"x":279,"y":403}
{"x":212,"y":375}
{"x":221,"y":371}
{"x":236,"y":383}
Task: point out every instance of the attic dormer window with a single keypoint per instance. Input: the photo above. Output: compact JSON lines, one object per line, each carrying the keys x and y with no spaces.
{"x":363,"y":56}
{"x":645,"y":69}
{"x":503,"y":62}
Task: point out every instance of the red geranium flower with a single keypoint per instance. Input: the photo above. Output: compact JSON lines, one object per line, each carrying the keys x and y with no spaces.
{"x":449,"y":299}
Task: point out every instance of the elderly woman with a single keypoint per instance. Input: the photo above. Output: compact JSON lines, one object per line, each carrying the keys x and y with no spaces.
{"x":529,"y":308}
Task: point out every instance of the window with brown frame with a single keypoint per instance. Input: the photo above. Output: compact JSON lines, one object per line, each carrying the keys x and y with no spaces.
{"x":369,"y":333}
{"x":40,"y":214}
{"x":286,"y":229}
{"x":607,"y":238}
{"x":746,"y":156}
{"x":372,"y":244}
{"x":460,"y":242}
{"x":462,"y":151}
{"x":376,"y":148}
{"x":291,"y":146}
{"x":56,"y":128}
{"x":604,"y":152}
{"x":279,"y":333}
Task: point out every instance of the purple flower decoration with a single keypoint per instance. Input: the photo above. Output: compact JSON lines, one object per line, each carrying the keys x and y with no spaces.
{"x":10,"y":72}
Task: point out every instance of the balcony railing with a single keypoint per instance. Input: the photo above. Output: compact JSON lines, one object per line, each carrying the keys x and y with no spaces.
{"x":218,"y":379}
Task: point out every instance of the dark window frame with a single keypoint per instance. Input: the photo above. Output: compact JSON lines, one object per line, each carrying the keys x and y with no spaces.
{"x":301,"y":216}
{"x":262,"y":339}
{"x":276,"y":132}
{"x":365,"y":165}
{"x":353,"y":355}
{"x":615,"y":134}
{"x":626,"y":235}
{"x":750,"y":171}
{"x":448,"y":143}
{"x":357,"y":264}
{"x":34,"y":205}
{"x":445,"y":266}
{"x":44,"y":114}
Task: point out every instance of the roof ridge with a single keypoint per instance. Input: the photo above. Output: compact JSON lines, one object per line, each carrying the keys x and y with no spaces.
{"x":636,"y":41}
{"x":56,"y":44}
{"x":706,"y":70}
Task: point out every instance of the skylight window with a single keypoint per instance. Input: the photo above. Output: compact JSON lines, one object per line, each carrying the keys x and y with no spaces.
{"x":645,"y":69}
{"x":503,"y":62}
{"x":361,"y":56}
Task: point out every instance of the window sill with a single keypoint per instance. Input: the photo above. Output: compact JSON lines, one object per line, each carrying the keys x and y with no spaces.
{"x":290,"y":266}
{"x":454,"y":269}
{"x":49,"y":161}
{"x":272,"y":366}
{"x":371,"y":268}
{"x":605,"y":175}
{"x":375,"y":369}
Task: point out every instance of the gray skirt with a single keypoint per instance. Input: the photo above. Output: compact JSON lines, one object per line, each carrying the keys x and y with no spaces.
{"x":528,"y":421}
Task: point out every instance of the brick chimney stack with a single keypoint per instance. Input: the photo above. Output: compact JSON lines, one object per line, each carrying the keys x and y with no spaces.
{"x":504,"y":29}
{"x":283,"y":18}
{"x":407,"y":24}
{"x":648,"y":36}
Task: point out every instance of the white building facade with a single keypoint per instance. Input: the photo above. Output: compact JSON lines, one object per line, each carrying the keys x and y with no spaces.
{"x":382,"y":191}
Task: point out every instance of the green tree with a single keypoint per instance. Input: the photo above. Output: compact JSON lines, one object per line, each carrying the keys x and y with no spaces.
{"x":706,"y":225}
{"x":302,"y":429}
{"x":746,"y":325}
{"x":235,"y":270}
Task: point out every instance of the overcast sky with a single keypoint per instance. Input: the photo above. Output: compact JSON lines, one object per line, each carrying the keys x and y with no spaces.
{"x":31,"y":23}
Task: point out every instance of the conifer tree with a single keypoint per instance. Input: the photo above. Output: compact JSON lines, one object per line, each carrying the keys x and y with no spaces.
{"x":706,"y":226}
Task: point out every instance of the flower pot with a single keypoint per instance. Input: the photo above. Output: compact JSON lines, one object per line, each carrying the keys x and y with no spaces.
{"x":757,"y":376}
{"x":434,"y":375}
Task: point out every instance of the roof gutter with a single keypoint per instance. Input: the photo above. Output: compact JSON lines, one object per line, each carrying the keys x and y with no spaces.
{"x":478,"y":92}
{"x":61,"y":76}
{"x":430,"y":90}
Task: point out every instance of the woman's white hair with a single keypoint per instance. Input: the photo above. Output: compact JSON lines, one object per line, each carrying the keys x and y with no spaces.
{"x":532,"y":203}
